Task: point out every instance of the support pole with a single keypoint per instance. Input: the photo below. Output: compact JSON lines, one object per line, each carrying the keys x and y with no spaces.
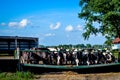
{"x":17,"y":54}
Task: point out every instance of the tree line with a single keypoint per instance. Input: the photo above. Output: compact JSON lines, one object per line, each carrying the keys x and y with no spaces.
{"x":77,"y":46}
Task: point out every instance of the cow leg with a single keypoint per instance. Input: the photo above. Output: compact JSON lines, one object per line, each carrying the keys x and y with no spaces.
{"x":76,"y":61}
{"x":58,"y":60}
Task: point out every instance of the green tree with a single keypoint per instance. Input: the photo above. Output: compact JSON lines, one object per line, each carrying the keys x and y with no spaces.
{"x":80,"y":46}
{"x":104,"y":12}
{"x":98,"y":46}
{"x":88,"y":45}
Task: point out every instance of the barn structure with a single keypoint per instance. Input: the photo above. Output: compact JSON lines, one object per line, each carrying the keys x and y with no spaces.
{"x":8,"y":44}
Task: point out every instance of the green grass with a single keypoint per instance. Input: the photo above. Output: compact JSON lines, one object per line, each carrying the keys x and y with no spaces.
{"x":4,"y":54}
{"x":16,"y":76}
{"x":115,"y":53}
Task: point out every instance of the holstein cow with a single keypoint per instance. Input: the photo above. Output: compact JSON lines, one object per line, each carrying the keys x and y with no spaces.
{"x":109,"y":57}
{"x":75,"y":57}
{"x":35,"y":55}
{"x":85,"y":58}
{"x":54,"y":56}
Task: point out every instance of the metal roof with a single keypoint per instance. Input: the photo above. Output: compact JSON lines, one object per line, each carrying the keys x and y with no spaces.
{"x":116,"y":41}
{"x":18,"y":37}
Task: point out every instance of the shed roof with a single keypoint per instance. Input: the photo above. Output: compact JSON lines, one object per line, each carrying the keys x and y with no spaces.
{"x":18,"y":37}
{"x":116,"y":41}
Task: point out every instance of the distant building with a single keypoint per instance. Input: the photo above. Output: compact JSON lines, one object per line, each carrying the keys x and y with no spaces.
{"x":8,"y":44}
{"x":116,"y":43}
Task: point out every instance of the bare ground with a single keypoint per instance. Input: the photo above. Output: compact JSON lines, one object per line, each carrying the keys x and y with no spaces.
{"x":75,"y":76}
{"x":6,"y":57}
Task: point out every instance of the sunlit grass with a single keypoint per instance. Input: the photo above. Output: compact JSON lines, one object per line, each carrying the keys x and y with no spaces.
{"x":16,"y":76}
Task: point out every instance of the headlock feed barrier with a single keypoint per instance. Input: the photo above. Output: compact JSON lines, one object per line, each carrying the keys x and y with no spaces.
{"x":42,"y":60}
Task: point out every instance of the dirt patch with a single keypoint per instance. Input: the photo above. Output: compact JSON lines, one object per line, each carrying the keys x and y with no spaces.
{"x":6,"y":57}
{"x":75,"y":76}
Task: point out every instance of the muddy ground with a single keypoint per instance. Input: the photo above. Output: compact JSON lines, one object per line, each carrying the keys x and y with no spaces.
{"x":76,"y":76}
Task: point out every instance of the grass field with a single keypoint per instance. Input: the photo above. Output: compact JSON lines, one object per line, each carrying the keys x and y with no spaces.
{"x":16,"y":76}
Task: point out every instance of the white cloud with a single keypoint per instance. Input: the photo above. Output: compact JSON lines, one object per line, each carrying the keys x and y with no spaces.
{"x":2,"y":24}
{"x":13,"y":24}
{"x":49,"y":34}
{"x":20,"y":24}
{"x":69,"y":28}
{"x":79,"y":28}
{"x":53,"y":27}
{"x":23,"y":23}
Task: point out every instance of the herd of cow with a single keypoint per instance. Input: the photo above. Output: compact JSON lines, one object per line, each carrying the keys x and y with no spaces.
{"x":66,"y":57}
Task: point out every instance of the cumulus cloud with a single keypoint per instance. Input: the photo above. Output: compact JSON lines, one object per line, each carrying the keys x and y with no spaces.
{"x":20,"y":24}
{"x":13,"y":24}
{"x":23,"y":23}
{"x":79,"y":28}
{"x":69,"y":28}
{"x":53,"y":27}
{"x":49,"y":34}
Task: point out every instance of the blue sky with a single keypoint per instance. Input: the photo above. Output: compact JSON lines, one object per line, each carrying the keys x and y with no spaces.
{"x":54,"y":22}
